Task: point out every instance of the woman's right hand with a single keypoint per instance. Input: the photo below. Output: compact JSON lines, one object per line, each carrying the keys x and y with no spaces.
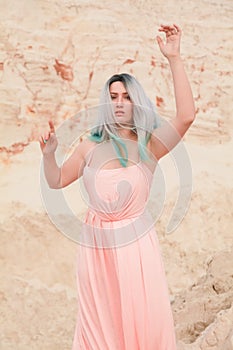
{"x":48,"y":141}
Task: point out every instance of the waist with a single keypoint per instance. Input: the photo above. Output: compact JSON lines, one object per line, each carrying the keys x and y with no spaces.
{"x":101,"y":232}
{"x":104,"y":216}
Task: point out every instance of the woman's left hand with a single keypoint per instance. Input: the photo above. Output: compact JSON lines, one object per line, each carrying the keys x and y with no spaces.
{"x":171,"y":48}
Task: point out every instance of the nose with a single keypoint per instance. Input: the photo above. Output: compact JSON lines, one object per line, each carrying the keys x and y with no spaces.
{"x":119,"y":100}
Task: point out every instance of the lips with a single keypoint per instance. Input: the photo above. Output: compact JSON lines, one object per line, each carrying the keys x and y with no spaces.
{"x":119,"y":113}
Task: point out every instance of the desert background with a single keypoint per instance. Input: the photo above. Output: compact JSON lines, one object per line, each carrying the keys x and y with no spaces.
{"x":55,"y":57}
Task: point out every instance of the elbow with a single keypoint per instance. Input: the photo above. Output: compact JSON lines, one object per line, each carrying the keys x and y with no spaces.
{"x":192,"y":115}
{"x":187,"y":115}
{"x":55,"y":185}
{"x":189,"y":119}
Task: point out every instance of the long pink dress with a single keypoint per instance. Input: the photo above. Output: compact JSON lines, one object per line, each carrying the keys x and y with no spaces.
{"x":123,"y":300}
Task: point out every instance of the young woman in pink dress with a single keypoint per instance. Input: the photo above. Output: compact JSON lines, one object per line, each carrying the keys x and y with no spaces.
{"x":122,"y":291}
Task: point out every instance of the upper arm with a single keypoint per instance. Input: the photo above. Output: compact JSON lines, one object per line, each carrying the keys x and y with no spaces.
{"x":166,"y":137}
{"x":72,"y":168}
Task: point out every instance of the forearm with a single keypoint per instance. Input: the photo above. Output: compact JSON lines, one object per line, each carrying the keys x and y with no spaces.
{"x":52,"y":171}
{"x":183,"y":94}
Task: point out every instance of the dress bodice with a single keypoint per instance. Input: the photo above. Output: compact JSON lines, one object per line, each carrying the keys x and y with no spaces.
{"x":117,"y":201}
{"x":116,"y":194}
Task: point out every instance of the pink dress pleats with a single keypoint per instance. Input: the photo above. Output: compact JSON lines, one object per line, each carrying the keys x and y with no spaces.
{"x":123,"y":299}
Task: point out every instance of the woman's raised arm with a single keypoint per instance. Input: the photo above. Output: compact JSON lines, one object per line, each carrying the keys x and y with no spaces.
{"x":169,"y":134}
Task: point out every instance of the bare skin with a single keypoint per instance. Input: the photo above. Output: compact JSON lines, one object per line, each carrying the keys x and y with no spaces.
{"x":163,"y":139}
{"x":123,"y":106}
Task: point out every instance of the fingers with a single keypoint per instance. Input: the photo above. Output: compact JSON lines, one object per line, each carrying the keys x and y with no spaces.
{"x":177,"y":28}
{"x":47,"y":136}
{"x":170,"y":29}
{"x":159,"y":41}
{"x":164,"y":26}
{"x":43,"y":139}
{"x":51,"y":126}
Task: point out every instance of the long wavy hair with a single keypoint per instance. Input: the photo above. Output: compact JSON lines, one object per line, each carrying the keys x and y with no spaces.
{"x":145,"y":118}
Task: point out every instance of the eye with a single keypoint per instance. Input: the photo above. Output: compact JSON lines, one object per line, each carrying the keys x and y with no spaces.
{"x":113,"y":97}
{"x":127,"y":97}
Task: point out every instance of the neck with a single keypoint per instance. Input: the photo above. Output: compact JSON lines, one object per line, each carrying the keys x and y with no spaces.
{"x":126,"y":132}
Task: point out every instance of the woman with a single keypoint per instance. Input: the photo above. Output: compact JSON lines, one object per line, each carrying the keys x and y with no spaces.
{"x":122,"y":291}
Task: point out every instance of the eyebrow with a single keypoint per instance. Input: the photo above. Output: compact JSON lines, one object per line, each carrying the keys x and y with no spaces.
{"x":116,"y":93}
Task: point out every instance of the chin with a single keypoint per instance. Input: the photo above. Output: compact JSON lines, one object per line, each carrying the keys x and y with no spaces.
{"x":123,"y":119}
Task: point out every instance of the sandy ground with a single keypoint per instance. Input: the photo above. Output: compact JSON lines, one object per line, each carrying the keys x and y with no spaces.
{"x":54,"y":58}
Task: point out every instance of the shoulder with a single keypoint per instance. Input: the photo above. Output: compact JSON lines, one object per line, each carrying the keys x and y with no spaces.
{"x":88,"y":145}
{"x":84,"y":147}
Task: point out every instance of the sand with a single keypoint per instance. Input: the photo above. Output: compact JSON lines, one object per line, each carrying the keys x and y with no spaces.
{"x":55,"y":57}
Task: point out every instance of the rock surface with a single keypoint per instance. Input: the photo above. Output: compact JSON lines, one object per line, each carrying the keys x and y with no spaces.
{"x":54,"y":59}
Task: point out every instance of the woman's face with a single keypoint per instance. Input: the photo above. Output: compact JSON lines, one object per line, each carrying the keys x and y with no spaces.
{"x":123,"y":106}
